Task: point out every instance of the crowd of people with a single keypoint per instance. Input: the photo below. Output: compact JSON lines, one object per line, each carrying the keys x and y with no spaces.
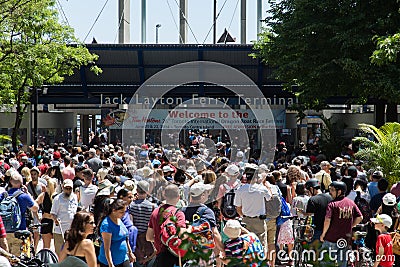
{"x":107,"y":205}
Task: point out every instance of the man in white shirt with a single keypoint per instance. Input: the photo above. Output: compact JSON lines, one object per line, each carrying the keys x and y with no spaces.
{"x":87,"y":191}
{"x":253,"y":212}
{"x":63,"y":212}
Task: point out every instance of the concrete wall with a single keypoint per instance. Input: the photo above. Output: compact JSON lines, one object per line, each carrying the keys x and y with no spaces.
{"x":352,"y":120}
{"x":45,"y":120}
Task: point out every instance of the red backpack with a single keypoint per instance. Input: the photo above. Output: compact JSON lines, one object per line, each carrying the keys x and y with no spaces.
{"x":169,"y":234}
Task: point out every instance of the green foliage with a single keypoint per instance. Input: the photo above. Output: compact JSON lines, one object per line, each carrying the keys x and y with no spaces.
{"x":35,"y":49}
{"x":387,"y":50}
{"x":322,"y":49}
{"x":4,"y":139}
{"x":382,"y":150}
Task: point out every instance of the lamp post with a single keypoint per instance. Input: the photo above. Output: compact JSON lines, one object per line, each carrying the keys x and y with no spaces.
{"x":157,"y":26}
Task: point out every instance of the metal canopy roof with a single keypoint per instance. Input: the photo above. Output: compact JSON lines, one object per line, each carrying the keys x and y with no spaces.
{"x":126,"y":66}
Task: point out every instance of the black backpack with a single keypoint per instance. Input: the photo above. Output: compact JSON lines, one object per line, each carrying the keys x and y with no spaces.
{"x":363,"y":206}
{"x":228,"y":209}
{"x":323,"y":189}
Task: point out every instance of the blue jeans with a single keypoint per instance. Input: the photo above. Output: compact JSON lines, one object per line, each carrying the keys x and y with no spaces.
{"x":331,"y":253}
{"x":317,"y":234}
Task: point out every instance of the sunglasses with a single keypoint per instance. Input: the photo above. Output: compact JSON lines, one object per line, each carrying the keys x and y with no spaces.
{"x":91,"y":222}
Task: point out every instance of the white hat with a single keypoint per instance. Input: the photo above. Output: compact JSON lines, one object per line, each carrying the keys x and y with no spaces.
{"x":232,"y":229}
{"x":144,"y":186}
{"x":167,"y":168}
{"x":389,"y":199}
{"x":232,"y":170}
{"x":199,"y":188}
{"x":147,"y":171}
{"x":104,"y":192}
{"x":68,"y":183}
{"x":36,"y":169}
{"x":240,"y":154}
{"x":383,"y":218}
{"x":15,"y":164}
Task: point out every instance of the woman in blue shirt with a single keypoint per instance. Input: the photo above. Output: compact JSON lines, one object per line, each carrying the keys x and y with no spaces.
{"x":128,"y":196}
{"x":115,"y":251}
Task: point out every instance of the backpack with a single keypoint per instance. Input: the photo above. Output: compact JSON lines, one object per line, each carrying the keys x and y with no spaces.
{"x":169,"y":232}
{"x":253,"y":250}
{"x":228,"y":209}
{"x":323,"y":189}
{"x":363,"y":206}
{"x":285,"y":211}
{"x":2,"y":169}
{"x":273,"y":206}
{"x":201,"y":228}
{"x":10,"y":212}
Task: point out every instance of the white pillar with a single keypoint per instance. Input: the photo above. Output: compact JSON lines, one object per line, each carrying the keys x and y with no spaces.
{"x":143,"y":24}
{"x":183,"y":16}
{"x":243,"y":21}
{"x":124,"y":20}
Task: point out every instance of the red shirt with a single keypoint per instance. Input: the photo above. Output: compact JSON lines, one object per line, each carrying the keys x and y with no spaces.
{"x":156,"y":221}
{"x":387,"y":259}
{"x":3,"y":233}
{"x":341,"y":211}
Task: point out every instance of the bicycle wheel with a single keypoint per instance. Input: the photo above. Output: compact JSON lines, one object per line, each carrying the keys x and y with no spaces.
{"x":298,"y":251}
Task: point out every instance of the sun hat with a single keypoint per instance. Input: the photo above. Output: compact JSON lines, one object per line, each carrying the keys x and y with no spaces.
{"x":232,"y":229}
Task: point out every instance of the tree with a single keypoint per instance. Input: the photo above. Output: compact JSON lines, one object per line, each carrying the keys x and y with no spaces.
{"x":381,"y":149}
{"x":35,"y":49}
{"x":323,"y":49}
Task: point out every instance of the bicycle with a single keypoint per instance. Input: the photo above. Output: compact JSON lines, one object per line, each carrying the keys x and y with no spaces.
{"x":361,"y":256}
{"x":28,"y":257}
{"x":303,"y":232}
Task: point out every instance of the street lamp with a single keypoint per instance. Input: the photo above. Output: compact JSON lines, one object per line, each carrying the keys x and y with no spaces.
{"x":157,"y":26}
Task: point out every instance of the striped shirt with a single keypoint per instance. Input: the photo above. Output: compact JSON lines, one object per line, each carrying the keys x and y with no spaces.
{"x":141,"y":210}
{"x":234,"y":248}
{"x":2,"y":229}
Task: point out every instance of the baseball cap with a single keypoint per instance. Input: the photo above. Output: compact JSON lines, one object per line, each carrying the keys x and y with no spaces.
{"x":68,"y":183}
{"x":232,"y":229}
{"x":377,"y":174}
{"x":389,"y":199}
{"x":56,"y":155}
{"x":383,"y":218}
{"x":199,"y":188}
{"x":167,"y":168}
{"x":232,"y":170}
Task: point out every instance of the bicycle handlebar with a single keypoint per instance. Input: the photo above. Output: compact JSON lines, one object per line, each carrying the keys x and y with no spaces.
{"x":289,"y":217}
{"x":37,"y":225}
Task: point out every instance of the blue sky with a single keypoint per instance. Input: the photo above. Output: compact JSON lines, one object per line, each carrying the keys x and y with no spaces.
{"x":81,"y":15}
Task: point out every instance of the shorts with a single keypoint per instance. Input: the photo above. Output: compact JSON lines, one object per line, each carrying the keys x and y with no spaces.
{"x":47,"y":229}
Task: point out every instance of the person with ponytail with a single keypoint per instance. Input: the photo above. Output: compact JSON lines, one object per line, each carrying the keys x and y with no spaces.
{"x":77,"y":244}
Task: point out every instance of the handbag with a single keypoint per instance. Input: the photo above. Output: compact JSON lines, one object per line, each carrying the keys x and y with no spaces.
{"x":396,"y":238}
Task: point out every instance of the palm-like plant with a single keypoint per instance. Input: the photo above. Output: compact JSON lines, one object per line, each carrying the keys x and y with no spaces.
{"x":383,"y":151}
{"x":4,"y":139}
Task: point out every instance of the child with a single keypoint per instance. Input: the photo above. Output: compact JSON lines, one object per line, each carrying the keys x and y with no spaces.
{"x":384,"y":245}
{"x":241,"y":248}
